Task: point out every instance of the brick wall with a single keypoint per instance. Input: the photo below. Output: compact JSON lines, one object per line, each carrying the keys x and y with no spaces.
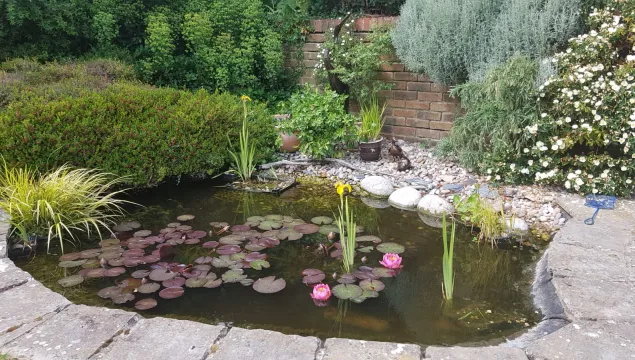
{"x":417,"y":108}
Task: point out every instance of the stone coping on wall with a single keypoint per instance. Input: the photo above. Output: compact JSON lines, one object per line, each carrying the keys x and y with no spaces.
{"x":584,"y":286}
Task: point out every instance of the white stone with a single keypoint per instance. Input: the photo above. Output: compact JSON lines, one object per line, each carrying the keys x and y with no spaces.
{"x":518,"y":225}
{"x":434,"y":205}
{"x":377,"y":186}
{"x":405,"y":198}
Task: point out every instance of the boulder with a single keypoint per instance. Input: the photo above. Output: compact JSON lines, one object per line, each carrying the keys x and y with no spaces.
{"x":434,"y":205}
{"x":405,"y":198}
{"x":377,"y":186}
{"x":517,"y":225}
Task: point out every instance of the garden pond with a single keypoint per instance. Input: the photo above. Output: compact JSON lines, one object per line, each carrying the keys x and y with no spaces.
{"x":491,"y":296}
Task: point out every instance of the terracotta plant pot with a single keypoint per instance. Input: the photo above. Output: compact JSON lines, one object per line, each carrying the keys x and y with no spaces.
{"x":370,"y":151}
{"x":290,"y":143}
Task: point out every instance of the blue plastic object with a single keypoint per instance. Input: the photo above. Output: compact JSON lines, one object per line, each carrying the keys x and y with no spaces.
{"x":598,"y":202}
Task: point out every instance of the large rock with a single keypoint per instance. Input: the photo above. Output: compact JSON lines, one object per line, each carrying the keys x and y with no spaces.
{"x":11,"y":276}
{"x":345,"y":349}
{"x":474,"y":353}
{"x":162,"y":338}
{"x":435,"y":205}
{"x":516,"y":225}
{"x":263,"y":345}
{"x":405,"y":198}
{"x":377,"y":186}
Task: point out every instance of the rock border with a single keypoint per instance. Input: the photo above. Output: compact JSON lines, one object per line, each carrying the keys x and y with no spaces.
{"x":583,"y":285}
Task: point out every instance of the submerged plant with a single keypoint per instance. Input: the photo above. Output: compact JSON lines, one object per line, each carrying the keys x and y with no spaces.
{"x":448,"y":257}
{"x":59,"y":203}
{"x":244,"y":160}
{"x":347,"y":227}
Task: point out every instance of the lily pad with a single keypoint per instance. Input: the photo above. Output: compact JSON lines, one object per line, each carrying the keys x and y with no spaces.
{"x":111,"y":254}
{"x":289,"y":234}
{"x":326,"y":229}
{"x":287,"y":219}
{"x":72,"y":280}
{"x":191,"y":241}
{"x":321,"y":220}
{"x":222,"y":261}
{"x":308,"y":272}
{"x":177,"y":281}
{"x":70,"y":257}
{"x":96,"y":273}
{"x":269,"y":285}
{"x":313,"y":279}
{"x":116,"y":262}
{"x":218,"y":224}
{"x":195,"y":282}
{"x":268,"y":242}
{"x":198,"y":234}
{"x":204,"y":260}
{"x":365,"y":249}
{"x":383,"y":272}
{"x":269,"y":225}
{"x":372,"y":285}
{"x":257,"y":219}
{"x":145,"y":304}
{"x":109,"y":242}
{"x":233,"y":276}
{"x":347,"y":279}
{"x":365,"y":275}
{"x":391,"y":247}
{"x":255,"y":256}
{"x":148,"y":288}
{"x":274,"y":218}
{"x":259,"y":264}
{"x":171,"y":292}
{"x":232,"y":240}
{"x":211,"y":244}
{"x":367,"y":238}
{"x":213,"y":283}
{"x":90,"y":253}
{"x":239,"y":228}
{"x":186,"y":217}
{"x":347,"y":291}
{"x":306,"y":228}
{"x":228,"y":249}
{"x":254,"y":247}
{"x":161,"y":275}
{"x":142,"y":233}
{"x":109,"y":292}
{"x":114,"y":272}
{"x":183,"y":228}
{"x":270,"y":233}
{"x":336,"y":253}
{"x":237,"y":256}
{"x":71,"y":263}
{"x":246,"y":282}
{"x":134,"y":253}
{"x":122,"y":298}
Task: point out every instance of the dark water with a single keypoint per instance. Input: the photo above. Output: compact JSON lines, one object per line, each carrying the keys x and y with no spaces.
{"x":491,"y":298}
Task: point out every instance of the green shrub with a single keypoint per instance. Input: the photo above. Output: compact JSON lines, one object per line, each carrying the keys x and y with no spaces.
{"x":320,"y":121}
{"x":128,"y":129}
{"x":497,"y":110}
{"x":584,"y":138}
{"x":332,"y":8}
{"x":456,"y":40}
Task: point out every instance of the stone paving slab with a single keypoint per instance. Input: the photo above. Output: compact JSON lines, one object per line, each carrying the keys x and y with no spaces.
{"x":263,"y":345}
{"x":346,"y":349}
{"x":162,"y":338}
{"x":26,"y":306}
{"x":77,"y":332}
{"x":598,"y":264}
{"x":11,"y":276}
{"x":587,"y":341}
{"x":474,"y":353}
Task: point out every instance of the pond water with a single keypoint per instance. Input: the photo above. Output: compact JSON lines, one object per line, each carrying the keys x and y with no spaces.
{"x":491,"y":296}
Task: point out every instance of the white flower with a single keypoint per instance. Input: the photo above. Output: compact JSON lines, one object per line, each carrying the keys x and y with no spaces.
{"x":512,"y":166}
{"x":530,"y":162}
{"x":630,"y":58}
{"x":579,"y":181}
{"x":567,"y":184}
{"x":525,"y":150}
{"x":543,"y":115}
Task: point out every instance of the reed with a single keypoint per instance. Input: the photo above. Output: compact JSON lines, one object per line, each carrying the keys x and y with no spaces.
{"x":448,"y":258}
{"x":243,"y":165}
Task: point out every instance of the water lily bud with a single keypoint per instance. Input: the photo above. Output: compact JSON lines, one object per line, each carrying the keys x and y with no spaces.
{"x":103,"y":262}
{"x":364,"y":259}
{"x":331,"y":236}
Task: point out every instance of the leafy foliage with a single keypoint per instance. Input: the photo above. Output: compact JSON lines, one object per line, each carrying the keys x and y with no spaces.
{"x":331,"y":8}
{"x":320,"y":121}
{"x":126,"y":128}
{"x":453,"y":41}
{"x":243,"y":164}
{"x":479,"y":213}
{"x":372,"y":120}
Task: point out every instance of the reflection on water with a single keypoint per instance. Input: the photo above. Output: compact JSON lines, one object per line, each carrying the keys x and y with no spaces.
{"x":491,"y":291}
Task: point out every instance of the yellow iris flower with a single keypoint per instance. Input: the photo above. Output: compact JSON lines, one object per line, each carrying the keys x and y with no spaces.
{"x":245,"y":98}
{"x":342,"y":187}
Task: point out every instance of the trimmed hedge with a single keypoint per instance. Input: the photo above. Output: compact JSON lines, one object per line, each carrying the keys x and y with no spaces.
{"x":128,"y":129}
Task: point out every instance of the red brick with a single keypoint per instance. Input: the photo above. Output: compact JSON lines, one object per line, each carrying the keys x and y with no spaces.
{"x":396,"y":103}
{"x":430,"y":96}
{"x":386,"y":129}
{"x":418,"y":104}
{"x":388,"y":111}
{"x":395,"y":120}
{"x":405,"y":76}
{"x":418,"y":86}
{"x":429,"y":115}
{"x":383,"y":75}
{"x":315,"y":38}
{"x":392,"y":67}
{"x":404,"y":95}
{"x":438,"y":125}
{"x":385,"y":94}
{"x":399,"y":85}
{"x":418,"y":123}
{"x":442,"y":107}
{"x":405,"y":113}
{"x":447,"y":117}
{"x":427,"y":134}
{"x":403,"y":131}
{"x":436,"y":87}
{"x":422,"y":77}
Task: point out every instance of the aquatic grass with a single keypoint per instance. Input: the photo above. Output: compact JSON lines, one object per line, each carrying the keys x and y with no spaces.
{"x":243,"y":165}
{"x":347,"y":228}
{"x":478,"y":213}
{"x":60,"y":203}
{"x":372,"y":120}
{"x":448,"y":257}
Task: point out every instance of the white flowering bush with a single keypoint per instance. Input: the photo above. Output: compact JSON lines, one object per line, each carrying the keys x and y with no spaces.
{"x":584,"y":138}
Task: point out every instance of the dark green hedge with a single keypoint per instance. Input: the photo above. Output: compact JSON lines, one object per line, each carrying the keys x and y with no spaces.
{"x":127,"y":128}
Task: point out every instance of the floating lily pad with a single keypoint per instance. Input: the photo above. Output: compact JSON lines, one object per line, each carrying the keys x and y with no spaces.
{"x":122,"y":298}
{"x":257,"y":219}
{"x":246,"y":282}
{"x":72,"y":280}
{"x":218,"y":224}
{"x":186,"y":217}
{"x":233,"y":276}
{"x":383,"y":272}
{"x":149,"y":259}
{"x":70,"y":257}
{"x":274,"y":218}
{"x":308,"y":272}
{"x":195,"y":282}
{"x":191,"y":241}
{"x":269,"y":225}
{"x":365,"y":249}
{"x":161,"y":275}
{"x":211,"y":244}
{"x":114,"y":272}
{"x":116,"y":262}
{"x":222,"y":261}
{"x":183,"y":228}
{"x":232,"y":240}
{"x":71,"y":263}
{"x":176,"y":282}
{"x":171,"y":292}
{"x":109,"y":292}
{"x":365,"y":275}
{"x":322,"y":220}
{"x":347,"y":279}
{"x":213,"y":283}
{"x":142,"y":233}
{"x":287,"y":219}
{"x":109,"y":242}
{"x":228,"y":249}
{"x":259,"y":264}
{"x":313,"y":279}
{"x":255,"y":256}
{"x":367,"y":238}
{"x":145,"y":304}
{"x":239,"y":228}
{"x":254,"y":247}
{"x":372,"y":285}
{"x":326,"y":229}
{"x":391,"y":247}
{"x":132,"y":261}
{"x":122,"y":228}
{"x":268,"y":242}
{"x":336,"y":253}
{"x":306,"y":228}
{"x":204,"y":260}
{"x":148,"y":288}
{"x":96,"y":273}
{"x":167,"y":230}
{"x":269,"y":285}
{"x":111,"y":254}
{"x":347,"y":291}
{"x":198,"y":234}
{"x":238,"y":256}
{"x":289,"y":234}
{"x":134,"y":253}
{"x":91,"y":253}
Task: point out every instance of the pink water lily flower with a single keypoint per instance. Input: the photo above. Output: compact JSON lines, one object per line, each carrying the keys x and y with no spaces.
{"x":391,"y":261}
{"x":321,"y":292}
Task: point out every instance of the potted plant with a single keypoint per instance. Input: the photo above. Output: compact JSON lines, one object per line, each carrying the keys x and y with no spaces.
{"x":290,"y":141}
{"x":370,"y":129}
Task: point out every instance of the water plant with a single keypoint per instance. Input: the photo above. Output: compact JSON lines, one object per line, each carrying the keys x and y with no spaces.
{"x":243,"y":160}
{"x":447,"y":286}
{"x":391,"y":261}
{"x":60,"y":203}
{"x":479,"y":213}
{"x":372,"y":120}
{"x":347,"y":227}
